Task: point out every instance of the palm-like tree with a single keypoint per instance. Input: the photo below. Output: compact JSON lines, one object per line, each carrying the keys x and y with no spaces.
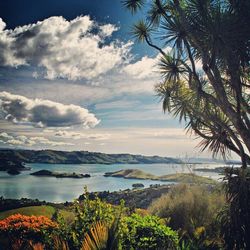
{"x":214,"y":99}
{"x":217,"y":34}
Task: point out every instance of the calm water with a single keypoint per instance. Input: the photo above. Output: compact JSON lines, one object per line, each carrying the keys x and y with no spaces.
{"x":67,"y":189}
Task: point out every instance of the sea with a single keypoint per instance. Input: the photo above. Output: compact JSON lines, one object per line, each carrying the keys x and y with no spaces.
{"x":58,"y":190}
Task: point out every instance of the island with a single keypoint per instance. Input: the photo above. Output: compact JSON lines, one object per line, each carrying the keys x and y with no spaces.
{"x":48,"y":173}
{"x":131,"y":174}
{"x":137,"y":185}
{"x":12,"y":166}
{"x":178,"y":177}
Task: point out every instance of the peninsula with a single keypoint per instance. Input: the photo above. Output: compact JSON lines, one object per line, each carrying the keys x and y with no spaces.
{"x":178,"y":177}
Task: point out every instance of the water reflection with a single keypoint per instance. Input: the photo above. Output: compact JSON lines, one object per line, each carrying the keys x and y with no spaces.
{"x":67,"y":189}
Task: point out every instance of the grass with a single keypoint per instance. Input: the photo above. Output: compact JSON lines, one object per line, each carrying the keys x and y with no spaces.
{"x":131,"y":174}
{"x":188,"y":178}
{"x":47,"y":211}
{"x":178,"y":177}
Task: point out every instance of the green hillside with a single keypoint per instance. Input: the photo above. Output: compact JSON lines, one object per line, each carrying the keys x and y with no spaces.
{"x":11,"y":159}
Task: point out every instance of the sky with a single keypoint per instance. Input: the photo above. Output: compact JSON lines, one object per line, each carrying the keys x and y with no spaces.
{"x":72,"y":78}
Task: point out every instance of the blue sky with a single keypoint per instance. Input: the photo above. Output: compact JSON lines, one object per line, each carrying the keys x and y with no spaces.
{"x":72,"y":78}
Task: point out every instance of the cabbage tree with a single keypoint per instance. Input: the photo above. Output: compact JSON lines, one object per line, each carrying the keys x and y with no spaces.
{"x":206,"y":76}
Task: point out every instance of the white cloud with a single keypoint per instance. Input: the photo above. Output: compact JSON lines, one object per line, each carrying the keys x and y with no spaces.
{"x":2,"y":25}
{"x":22,"y":140}
{"x":144,"y":68}
{"x":43,"y":113}
{"x":80,"y":135}
{"x":65,"y":49}
{"x":107,"y":29}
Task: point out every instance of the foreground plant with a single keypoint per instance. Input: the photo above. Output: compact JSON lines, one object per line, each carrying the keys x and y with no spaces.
{"x":235,"y":218}
{"x":206,"y":78}
{"x":192,"y":210}
{"x":19,"y":230}
{"x":147,"y":232}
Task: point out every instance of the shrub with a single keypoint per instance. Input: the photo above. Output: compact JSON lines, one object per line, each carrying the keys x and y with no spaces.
{"x":18,"y":230}
{"x":147,"y":232}
{"x":235,"y":218}
{"x":189,"y":207}
{"x":87,"y":214}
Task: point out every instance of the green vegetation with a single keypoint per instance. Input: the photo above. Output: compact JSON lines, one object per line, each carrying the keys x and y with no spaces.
{"x":95,"y":223}
{"x":136,"y":198}
{"x":235,"y":218}
{"x":205,"y":83}
{"x":220,"y":170}
{"x":131,"y":174}
{"x":186,"y":216}
{"x":47,"y":211}
{"x":14,"y":159}
{"x":192,"y":209}
{"x":147,"y":233}
{"x":188,"y":178}
{"x":178,"y":177}
{"x":44,"y":210}
{"x":212,"y":99}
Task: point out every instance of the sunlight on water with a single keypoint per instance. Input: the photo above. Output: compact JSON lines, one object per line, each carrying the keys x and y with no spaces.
{"x":67,"y":189}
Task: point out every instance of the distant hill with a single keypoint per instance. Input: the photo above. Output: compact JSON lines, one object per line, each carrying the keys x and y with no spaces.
{"x":193,"y":160}
{"x":75,"y":157}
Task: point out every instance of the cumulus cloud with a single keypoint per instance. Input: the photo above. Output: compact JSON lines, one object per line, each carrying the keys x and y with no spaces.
{"x":22,"y":140}
{"x":144,"y":68}
{"x":79,"y":135}
{"x":75,"y":49}
{"x":44,"y":113}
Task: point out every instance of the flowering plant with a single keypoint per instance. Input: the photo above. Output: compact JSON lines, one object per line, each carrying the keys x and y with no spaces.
{"x":18,"y":229}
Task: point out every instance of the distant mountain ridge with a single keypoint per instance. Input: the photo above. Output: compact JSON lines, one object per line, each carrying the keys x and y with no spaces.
{"x":77,"y":157}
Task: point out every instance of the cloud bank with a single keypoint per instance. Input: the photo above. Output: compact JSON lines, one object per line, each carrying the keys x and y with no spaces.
{"x":79,"y":135}
{"x":43,"y":113}
{"x":76,"y":49}
{"x":22,"y":140}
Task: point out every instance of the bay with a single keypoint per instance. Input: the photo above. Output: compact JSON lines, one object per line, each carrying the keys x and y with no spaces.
{"x":66,"y":189}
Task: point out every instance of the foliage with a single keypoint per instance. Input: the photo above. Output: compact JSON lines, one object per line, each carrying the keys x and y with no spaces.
{"x":192,"y":210}
{"x":205,"y":78}
{"x":97,"y":237}
{"x":235,"y":218}
{"x":103,"y":237}
{"x":147,"y":232}
{"x":87,"y":214}
{"x":205,"y":82}
{"x":19,"y":230}
{"x":31,"y":210}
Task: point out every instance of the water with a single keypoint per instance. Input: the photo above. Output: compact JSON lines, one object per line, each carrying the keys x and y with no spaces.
{"x":66,"y":189}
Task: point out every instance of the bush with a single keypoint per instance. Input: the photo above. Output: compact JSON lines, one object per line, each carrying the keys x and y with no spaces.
{"x":87,"y":214}
{"x":18,"y":230}
{"x":147,"y":232}
{"x":190,"y":208}
{"x":235,"y":218}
